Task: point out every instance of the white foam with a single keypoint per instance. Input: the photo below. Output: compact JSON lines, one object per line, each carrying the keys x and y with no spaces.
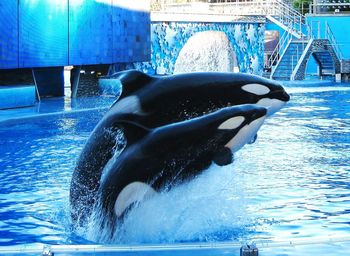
{"x":199,"y":209}
{"x":317,"y":89}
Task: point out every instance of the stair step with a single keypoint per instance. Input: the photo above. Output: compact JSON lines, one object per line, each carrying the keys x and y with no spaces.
{"x":285,"y":67}
{"x":281,"y":78}
{"x":325,"y":60}
{"x":327,"y":64}
{"x":282,"y":68}
{"x":283,"y":74}
{"x":266,"y":74}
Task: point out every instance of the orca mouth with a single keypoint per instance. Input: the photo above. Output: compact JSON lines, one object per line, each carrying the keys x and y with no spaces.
{"x":285,"y":96}
{"x":281,"y":95}
{"x":272,"y":105}
{"x":259,"y":113}
{"x":246,"y":135}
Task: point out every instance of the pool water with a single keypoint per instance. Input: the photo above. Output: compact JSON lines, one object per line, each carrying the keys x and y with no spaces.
{"x":293,"y":182}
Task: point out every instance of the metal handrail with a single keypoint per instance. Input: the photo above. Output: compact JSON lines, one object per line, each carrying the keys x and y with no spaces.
{"x":331,"y":7}
{"x":300,"y":58}
{"x":289,"y":16}
{"x":277,"y":52}
{"x":330,"y":36}
{"x":277,"y":8}
{"x":295,"y":21}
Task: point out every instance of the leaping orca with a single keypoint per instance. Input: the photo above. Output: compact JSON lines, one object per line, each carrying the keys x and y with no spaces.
{"x":160,"y":100}
{"x":157,"y":101}
{"x":172,"y":153}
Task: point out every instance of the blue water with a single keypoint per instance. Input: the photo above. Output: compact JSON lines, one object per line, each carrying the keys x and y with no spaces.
{"x":293,"y":182}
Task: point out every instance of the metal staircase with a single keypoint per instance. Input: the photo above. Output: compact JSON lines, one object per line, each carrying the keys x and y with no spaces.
{"x":326,"y":53}
{"x":286,"y":17}
{"x":290,"y":57}
{"x":325,"y":62}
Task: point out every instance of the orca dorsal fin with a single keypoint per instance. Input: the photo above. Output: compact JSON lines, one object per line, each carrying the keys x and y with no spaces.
{"x":132,"y":80}
{"x":133,"y":131}
{"x":223,"y":156}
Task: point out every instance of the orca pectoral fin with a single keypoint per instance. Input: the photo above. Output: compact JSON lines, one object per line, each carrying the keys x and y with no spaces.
{"x":133,"y":131}
{"x":223,"y":156}
{"x":131,"y":195}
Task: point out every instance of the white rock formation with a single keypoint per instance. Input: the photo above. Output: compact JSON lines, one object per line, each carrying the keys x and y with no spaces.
{"x":207,"y":51}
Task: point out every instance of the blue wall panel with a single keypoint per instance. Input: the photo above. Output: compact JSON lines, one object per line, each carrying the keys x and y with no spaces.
{"x":340,"y":26}
{"x":131,"y":38}
{"x":48,"y":33}
{"x":8,"y":34}
{"x":43,"y":37}
{"x":90,"y":32}
{"x":168,"y":38}
{"x":17,"y":96}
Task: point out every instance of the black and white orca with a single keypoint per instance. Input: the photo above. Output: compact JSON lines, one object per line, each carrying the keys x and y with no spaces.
{"x":173,"y":153}
{"x":160,"y":100}
{"x":157,"y":101}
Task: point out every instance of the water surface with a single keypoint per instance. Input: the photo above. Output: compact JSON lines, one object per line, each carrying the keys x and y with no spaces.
{"x":293,"y":182}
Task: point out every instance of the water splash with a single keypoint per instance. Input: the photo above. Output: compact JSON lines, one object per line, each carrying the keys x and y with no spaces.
{"x":203,"y":209}
{"x":120,"y":144}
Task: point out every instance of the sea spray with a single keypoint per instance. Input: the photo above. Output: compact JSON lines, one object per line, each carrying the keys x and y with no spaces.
{"x":204,"y":209}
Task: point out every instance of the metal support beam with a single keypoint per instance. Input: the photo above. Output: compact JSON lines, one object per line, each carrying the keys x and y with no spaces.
{"x":36,"y":86}
{"x":74,"y":80}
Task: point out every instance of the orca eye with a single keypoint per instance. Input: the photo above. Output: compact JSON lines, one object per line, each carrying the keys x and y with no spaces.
{"x":257,"y":89}
{"x":232,"y":123}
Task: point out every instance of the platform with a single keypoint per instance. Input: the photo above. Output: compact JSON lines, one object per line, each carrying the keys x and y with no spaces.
{"x":299,"y":247}
{"x":17,"y":96}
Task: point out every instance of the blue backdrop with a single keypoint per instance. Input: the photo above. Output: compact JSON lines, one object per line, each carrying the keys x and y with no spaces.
{"x":45,"y":33}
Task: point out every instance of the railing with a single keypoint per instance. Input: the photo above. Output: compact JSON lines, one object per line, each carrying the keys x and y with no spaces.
{"x":278,"y":51}
{"x":280,"y":10}
{"x":312,"y":32}
{"x":330,"y":36}
{"x":328,"y":7}
{"x":288,"y":16}
{"x":300,"y":59}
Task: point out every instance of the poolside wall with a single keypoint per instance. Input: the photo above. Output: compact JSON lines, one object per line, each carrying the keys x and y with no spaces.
{"x":340,"y":26}
{"x":169,"y":37}
{"x":46,"y":33}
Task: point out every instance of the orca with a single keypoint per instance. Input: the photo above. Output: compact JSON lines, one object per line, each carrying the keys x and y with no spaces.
{"x":165,"y":99}
{"x":155,"y":101}
{"x":173,"y":153}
